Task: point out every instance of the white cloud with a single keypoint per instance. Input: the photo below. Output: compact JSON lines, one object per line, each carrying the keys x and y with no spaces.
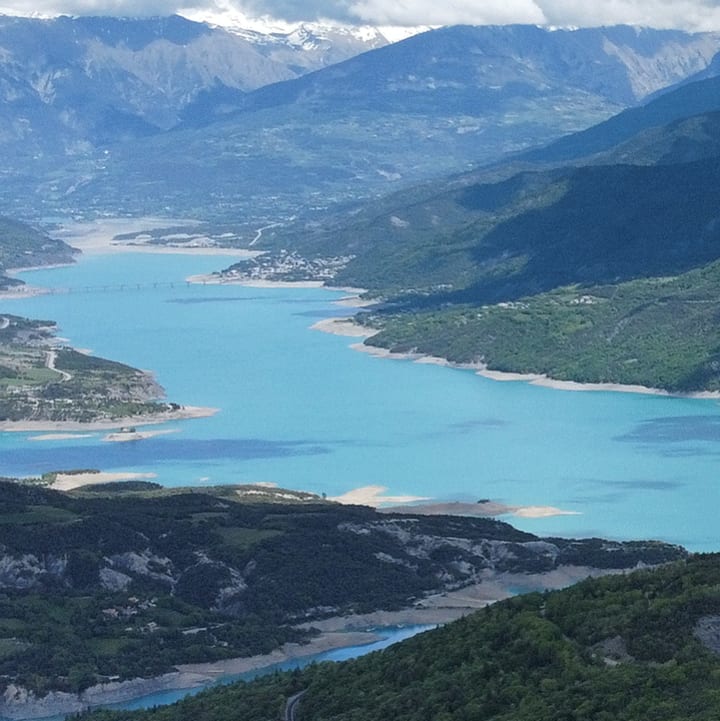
{"x":685,"y":14}
{"x":131,"y":8}
{"x":454,"y":12}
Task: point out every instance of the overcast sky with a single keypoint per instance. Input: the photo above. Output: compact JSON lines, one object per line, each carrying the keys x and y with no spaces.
{"x":686,"y":14}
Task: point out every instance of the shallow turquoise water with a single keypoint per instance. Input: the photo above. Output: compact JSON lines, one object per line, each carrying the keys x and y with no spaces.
{"x":389,"y":636}
{"x":302,"y":410}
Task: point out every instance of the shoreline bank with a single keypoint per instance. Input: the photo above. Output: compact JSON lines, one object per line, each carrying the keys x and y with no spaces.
{"x":335,"y":633}
{"x":73,"y":481}
{"x":97,"y":237}
{"x":183,"y":413}
{"x":20,"y":704}
{"x":352,"y":300}
{"x":347,"y":327}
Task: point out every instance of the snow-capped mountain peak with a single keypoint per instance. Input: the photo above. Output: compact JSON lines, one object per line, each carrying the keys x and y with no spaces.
{"x":300,"y":34}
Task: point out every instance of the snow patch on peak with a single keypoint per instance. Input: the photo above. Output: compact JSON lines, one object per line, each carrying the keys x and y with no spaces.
{"x":297,"y":33}
{"x":396,"y":33}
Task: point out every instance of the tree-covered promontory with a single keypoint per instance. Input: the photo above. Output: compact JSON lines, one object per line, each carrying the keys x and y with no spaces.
{"x":622,"y":648}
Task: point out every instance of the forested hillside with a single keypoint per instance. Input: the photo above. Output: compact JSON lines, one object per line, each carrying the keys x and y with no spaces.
{"x":22,"y":246}
{"x":601,"y":270}
{"x":620,"y":648}
{"x":129,"y":580}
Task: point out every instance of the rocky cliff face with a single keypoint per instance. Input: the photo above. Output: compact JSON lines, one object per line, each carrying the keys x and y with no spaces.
{"x":99,"y":80}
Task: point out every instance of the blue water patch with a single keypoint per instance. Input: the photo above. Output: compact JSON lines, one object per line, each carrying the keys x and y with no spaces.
{"x":300,"y":409}
{"x":323,"y":313}
{"x":676,"y":429}
{"x":213,"y":299}
{"x":155,"y":450}
{"x":389,"y":636}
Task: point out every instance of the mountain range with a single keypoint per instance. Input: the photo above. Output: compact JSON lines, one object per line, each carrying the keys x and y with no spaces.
{"x":601,"y":267}
{"x":166,"y":115}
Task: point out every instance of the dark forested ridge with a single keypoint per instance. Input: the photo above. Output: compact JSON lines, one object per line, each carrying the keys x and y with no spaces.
{"x":22,"y":246}
{"x":129,"y":580}
{"x":600,"y":270}
{"x":619,"y":648}
{"x":657,"y":332}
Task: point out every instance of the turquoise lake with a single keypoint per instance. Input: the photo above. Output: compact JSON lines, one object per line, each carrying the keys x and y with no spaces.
{"x":302,"y":410}
{"x":388,"y":636}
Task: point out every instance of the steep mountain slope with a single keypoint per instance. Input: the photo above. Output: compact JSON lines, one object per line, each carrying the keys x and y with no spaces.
{"x":98,"y":80}
{"x":22,"y":246}
{"x":435,"y":103}
{"x":605,"y":272}
{"x":698,"y":97}
{"x":497,"y":234}
{"x":130,"y":579}
{"x":484,"y":68}
{"x":626,"y":257}
{"x":303,"y":47}
{"x":653,"y":332}
{"x":624,"y":648}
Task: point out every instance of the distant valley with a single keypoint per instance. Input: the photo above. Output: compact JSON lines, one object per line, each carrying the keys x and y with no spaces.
{"x":511,"y":199}
{"x":169,"y":116}
{"x":594,"y":268}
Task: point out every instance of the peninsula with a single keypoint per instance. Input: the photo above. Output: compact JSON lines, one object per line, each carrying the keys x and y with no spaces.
{"x":47,"y":386}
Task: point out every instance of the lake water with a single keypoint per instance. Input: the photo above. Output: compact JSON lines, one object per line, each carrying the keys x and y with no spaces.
{"x":389,"y":635}
{"x":301,"y":410}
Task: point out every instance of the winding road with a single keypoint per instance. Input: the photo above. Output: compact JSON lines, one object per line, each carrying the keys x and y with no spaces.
{"x":50,"y":358}
{"x":291,"y":706}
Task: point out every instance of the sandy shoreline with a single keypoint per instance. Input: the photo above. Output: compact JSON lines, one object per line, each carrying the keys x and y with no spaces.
{"x":181,"y":414}
{"x":347,"y":327}
{"x":132,"y":436}
{"x":98,"y":237}
{"x":344,"y":327}
{"x":71,"y":481}
{"x":480,"y":510}
{"x":61,"y":436}
{"x":216,"y":279}
{"x":374,"y":496}
{"x":17,"y":703}
{"x":335,"y":632}
{"x":326,"y":641}
{"x":352,"y":300}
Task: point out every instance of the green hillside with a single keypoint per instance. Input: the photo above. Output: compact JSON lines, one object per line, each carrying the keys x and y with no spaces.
{"x":695,"y":98}
{"x":660,"y":332}
{"x":537,"y":230}
{"x":129,"y":580}
{"x":645,"y":208}
{"x":620,"y":648}
{"x":21,"y":246}
{"x":41,"y":380}
{"x":605,"y":272}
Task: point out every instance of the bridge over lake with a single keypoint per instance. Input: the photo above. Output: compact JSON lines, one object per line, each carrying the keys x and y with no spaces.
{"x":116,"y":287}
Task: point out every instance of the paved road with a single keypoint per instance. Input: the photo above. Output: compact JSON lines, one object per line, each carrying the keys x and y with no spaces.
{"x":50,"y":358}
{"x":291,"y":706}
